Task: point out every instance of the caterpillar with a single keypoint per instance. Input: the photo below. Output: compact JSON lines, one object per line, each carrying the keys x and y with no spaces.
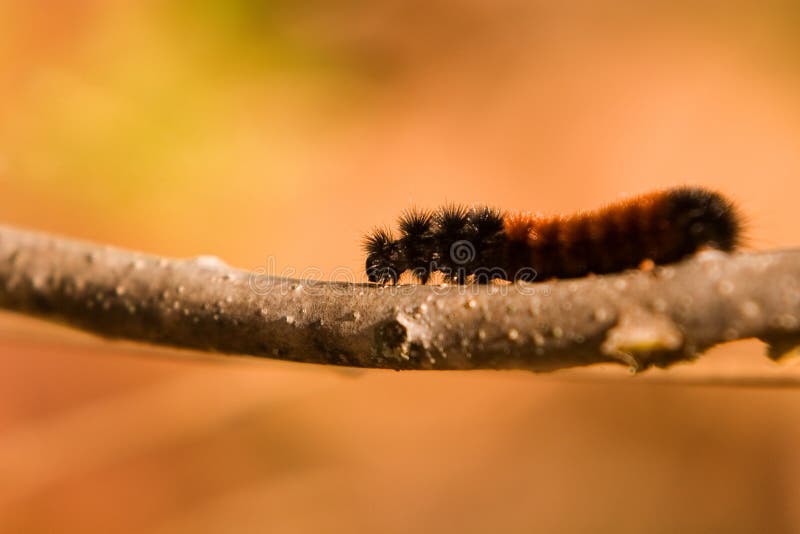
{"x":486,"y":244}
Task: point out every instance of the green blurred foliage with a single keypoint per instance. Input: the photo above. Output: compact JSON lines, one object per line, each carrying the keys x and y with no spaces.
{"x":153,"y":98}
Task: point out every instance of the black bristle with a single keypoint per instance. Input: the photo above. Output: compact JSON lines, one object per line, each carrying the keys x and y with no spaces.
{"x":376,"y":240}
{"x":383,"y":263}
{"x":455,"y":250}
{"x":451,"y":219}
{"x":706,"y":217}
{"x":417,"y":243}
{"x":486,"y":226}
{"x":486,"y":221}
{"x":415,"y":222}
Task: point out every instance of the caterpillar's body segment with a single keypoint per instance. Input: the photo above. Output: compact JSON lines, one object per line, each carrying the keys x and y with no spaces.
{"x":485,"y":243}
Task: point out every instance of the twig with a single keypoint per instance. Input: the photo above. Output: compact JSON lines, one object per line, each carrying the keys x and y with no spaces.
{"x":638,"y":318}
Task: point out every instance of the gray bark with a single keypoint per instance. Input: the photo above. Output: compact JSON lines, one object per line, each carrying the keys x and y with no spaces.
{"x":637,"y":318}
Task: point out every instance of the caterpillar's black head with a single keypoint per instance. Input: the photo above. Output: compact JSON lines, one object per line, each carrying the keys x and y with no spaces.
{"x":707,"y":218}
{"x":382,"y":257}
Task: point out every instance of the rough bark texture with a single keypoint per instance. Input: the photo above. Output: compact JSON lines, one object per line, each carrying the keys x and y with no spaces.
{"x":638,"y":318}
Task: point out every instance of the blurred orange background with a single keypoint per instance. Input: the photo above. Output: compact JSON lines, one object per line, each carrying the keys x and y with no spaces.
{"x":284,"y":130}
